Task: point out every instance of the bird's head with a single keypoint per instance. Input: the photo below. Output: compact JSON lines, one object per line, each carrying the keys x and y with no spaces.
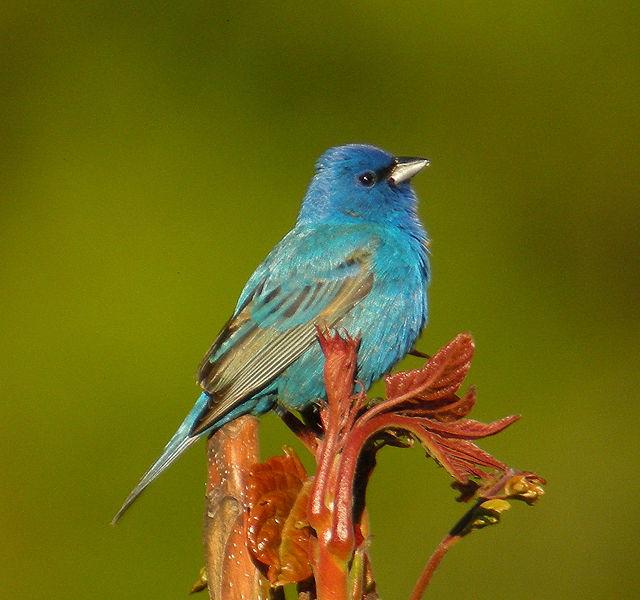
{"x":358,"y":182}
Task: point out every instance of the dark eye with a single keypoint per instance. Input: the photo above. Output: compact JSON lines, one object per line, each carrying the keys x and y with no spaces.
{"x":367,"y":179}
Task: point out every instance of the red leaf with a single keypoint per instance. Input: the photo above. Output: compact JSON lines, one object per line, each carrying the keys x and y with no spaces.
{"x":459,"y":408}
{"x":446,"y":409}
{"x":295,"y":550}
{"x":448,"y":443}
{"x":470,"y":429}
{"x":436,"y":451}
{"x":278,"y":535}
{"x":461,"y":458}
{"x":440,"y":377}
{"x":467,"y":453}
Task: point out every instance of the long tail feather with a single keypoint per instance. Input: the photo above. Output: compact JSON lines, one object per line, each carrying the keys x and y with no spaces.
{"x":180,"y":441}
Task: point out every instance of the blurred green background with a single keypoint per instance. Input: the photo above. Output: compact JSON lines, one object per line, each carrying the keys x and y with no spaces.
{"x":152,"y":153}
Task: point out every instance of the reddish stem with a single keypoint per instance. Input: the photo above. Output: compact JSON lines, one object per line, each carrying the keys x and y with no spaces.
{"x":432,"y":564}
{"x":330,"y":573}
{"x":231,"y":452}
{"x":318,"y":510}
{"x":355,"y":442}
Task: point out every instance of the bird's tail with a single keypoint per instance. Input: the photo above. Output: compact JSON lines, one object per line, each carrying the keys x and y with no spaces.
{"x":180,"y":441}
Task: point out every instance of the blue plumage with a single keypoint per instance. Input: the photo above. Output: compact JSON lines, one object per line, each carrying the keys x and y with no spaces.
{"x":357,"y":259}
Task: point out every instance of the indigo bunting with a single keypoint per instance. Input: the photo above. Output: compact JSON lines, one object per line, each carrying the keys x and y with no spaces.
{"x":357,"y":259}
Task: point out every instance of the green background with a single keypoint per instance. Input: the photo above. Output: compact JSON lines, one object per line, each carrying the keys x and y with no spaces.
{"x":152,"y":153}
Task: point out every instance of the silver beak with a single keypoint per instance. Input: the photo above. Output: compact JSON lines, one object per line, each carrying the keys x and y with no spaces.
{"x":406,"y":167}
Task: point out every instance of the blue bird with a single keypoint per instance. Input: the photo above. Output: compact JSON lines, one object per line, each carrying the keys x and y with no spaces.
{"x":357,"y":259}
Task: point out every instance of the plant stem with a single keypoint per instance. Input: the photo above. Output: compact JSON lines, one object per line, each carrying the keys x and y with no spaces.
{"x":231,"y":452}
{"x":432,"y":564}
{"x":330,"y":573}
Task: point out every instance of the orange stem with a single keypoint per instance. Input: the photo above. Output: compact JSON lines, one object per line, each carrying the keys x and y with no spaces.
{"x":231,"y":452}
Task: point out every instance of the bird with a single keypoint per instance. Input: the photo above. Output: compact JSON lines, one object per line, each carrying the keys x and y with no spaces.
{"x":356,"y":259}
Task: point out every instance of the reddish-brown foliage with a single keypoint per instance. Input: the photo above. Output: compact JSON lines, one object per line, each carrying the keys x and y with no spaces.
{"x":423,"y":402}
{"x":439,"y":379}
{"x":299,"y":526}
{"x":278,"y":532}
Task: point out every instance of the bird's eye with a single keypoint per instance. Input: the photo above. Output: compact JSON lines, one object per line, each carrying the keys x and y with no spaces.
{"x":367,"y":179}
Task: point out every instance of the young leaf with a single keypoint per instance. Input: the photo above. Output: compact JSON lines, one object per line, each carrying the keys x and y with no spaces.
{"x":278,"y":536}
{"x":468,"y":428}
{"x":439,"y":378}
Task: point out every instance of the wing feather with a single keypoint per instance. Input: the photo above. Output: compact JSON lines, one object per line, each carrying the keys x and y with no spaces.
{"x":273,"y":328}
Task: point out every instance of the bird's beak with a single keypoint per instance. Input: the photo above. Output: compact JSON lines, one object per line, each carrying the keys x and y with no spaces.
{"x":406,"y":167}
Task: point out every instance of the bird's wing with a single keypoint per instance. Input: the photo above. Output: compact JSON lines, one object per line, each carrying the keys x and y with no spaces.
{"x":275,"y":322}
